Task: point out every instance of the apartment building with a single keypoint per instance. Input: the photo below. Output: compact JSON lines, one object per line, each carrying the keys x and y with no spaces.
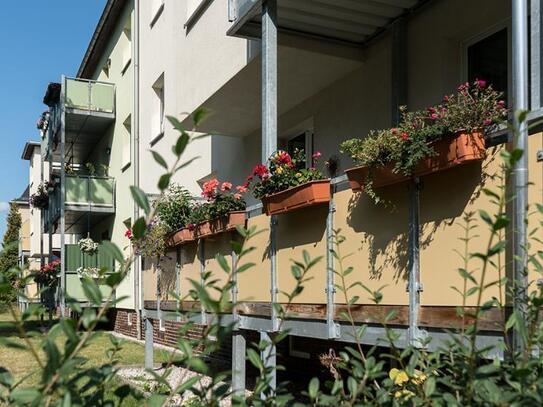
{"x":283,"y":75}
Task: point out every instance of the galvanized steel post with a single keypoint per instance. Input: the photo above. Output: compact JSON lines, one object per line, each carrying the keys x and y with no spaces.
{"x":201,"y":255}
{"x":238,"y":339}
{"x":62,"y":293}
{"x":520,"y":172}
{"x":333,"y":328}
{"x":148,"y":343}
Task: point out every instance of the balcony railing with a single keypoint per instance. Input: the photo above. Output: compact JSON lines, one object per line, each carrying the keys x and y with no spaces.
{"x":90,"y":95}
{"x":90,"y":191}
{"x":75,"y":259}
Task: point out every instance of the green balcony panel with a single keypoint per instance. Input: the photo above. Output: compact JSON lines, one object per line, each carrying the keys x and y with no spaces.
{"x":102,"y":97}
{"x":105,"y":260}
{"x":101,"y":191}
{"x":73,"y":257}
{"x":76,"y":190}
{"x":74,"y":288}
{"x":77,"y":94}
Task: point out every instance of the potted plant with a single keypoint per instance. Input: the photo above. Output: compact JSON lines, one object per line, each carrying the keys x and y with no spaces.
{"x":223,"y":210}
{"x":89,"y":272}
{"x":153,"y":243}
{"x":88,"y":246}
{"x":427,"y":141}
{"x":174,"y":210}
{"x":48,"y":274}
{"x":285,"y":184}
{"x":40,"y":199}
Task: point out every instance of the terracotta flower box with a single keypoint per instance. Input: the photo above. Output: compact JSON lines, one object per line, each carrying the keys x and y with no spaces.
{"x":301,"y":196}
{"x":451,"y":151}
{"x":228,"y":222}
{"x":203,"y":229}
{"x":181,"y":236}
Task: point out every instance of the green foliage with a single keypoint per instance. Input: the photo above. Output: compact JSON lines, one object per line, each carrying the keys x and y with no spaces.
{"x":474,"y":107}
{"x":9,"y":256}
{"x":283,"y":172}
{"x":174,"y":208}
{"x":458,"y":372}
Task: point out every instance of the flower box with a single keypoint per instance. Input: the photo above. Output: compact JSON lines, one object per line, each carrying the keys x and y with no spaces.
{"x":203,"y":229}
{"x":228,"y":222}
{"x":181,"y":236}
{"x":301,"y":196}
{"x":451,"y":151}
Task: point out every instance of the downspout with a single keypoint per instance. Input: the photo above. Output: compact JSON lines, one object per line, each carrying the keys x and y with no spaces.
{"x":138,"y":277}
{"x":520,"y":172}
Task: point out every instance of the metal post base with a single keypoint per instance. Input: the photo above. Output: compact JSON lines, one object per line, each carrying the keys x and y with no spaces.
{"x":149,"y":359}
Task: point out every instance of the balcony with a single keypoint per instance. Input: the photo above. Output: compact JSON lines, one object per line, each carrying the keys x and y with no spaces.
{"x":89,"y":108}
{"x":343,"y":22}
{"x":84,"y":194}
{"x":75,"y":259}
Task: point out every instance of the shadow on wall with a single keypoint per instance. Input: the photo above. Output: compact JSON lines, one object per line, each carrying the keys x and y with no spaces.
{"x":444,"y":197}
{"x":298,"y":228}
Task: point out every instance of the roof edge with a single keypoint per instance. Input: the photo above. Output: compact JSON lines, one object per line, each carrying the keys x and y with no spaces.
{"x":28,"y":149}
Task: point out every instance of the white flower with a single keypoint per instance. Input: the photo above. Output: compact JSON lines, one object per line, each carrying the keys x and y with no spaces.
{"x":88,"y":272}
{"x":88,"y":245}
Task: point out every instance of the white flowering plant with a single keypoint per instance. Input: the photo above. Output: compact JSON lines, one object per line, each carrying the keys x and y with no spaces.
{"x":88,"y":245}
{"x":88,"y":272}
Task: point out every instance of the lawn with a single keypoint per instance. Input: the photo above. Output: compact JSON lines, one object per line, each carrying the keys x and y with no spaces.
{"x":21,"y":363}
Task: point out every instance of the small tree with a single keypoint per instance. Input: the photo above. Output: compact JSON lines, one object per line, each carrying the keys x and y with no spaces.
{"x":10,"y":255}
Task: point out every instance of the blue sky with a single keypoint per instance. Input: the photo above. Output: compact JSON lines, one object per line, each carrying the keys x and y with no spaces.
{"x":39,"y":41}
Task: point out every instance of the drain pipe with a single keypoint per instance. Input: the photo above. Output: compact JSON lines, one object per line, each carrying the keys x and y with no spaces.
{"x":520,"y":172}
{"x":138,"y":276}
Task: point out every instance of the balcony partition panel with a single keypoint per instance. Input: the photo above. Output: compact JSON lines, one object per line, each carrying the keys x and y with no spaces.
{"x":218,"y":245}
{"x":90,"y":95}
{"x":92,"y":191}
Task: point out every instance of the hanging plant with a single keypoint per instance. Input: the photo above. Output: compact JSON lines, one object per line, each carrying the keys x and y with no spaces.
{"x":40,"y":199}
{"x":88,"y":246}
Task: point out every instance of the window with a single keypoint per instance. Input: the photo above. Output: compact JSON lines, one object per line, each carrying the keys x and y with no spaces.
{"x":105,"y":68}
{"x":487,"y":59}
{"x":127,"y":50}
{"x":127,"y":143}
{"x":297,"y":349}
{"x":129,"y":319}
{"x":158,"y":110}
{"x":157,"y":7}
{"x":303,"y":141}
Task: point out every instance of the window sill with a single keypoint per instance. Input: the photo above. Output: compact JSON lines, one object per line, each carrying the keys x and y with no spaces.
{"x":156,"y":139}
{"x":157,"y":15}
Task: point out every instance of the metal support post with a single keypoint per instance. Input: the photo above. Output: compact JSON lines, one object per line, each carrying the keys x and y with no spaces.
{"x":269,"y":358}
{"x":269,"y":78}
{"x":536,"y":17}
{"x":148,"y":343}
{"x":238,"y":339}
{"x":62,"y":296}
{"x":179,"y":259}
{"x":159,"y":292}
{"x":273,"y":272}
{"x":414,"y":285}
{"x":333,"y":328}
{"x":520,"y":172}
{"x":201,"y":243}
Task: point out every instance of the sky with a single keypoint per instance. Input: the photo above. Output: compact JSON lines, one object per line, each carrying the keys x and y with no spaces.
{"x":39,"y":41}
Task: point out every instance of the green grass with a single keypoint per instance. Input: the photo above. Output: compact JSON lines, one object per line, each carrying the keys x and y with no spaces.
{"x":21,"y":363}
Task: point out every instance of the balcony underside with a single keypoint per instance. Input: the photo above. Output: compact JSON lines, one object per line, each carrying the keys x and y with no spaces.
{"x":342,"y":21}
{"x":84,"y":129}
{"x":236,"y":106}
{"x":80,"y":218}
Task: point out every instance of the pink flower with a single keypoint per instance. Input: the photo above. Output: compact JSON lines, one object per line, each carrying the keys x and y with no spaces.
{"x":316,"y":155}
{"x":404,"y":136}
{"x":433,"y":116}
{"x":480,"y":83}
{"x":242,"y":189}
{"x":501,"y":103}
{"x":210,"y":188}
{"x":191,"y":226}
{"x":237,"y":196}
{"x":431,"y":109}
{"x":261,"y":171}
{"x":487,"y":122}
{"x":128,"y":233}
{"x":446,"y":99}
{"x":226,"y":186}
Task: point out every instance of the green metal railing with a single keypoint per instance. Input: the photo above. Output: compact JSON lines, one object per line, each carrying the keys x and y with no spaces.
{"x":74,"y":259}
{"x":90,"y":191}
{"x":89,"y":95}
